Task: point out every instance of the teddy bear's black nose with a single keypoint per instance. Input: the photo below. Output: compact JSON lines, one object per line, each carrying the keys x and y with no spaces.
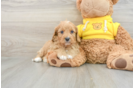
{"x":67,"y":39}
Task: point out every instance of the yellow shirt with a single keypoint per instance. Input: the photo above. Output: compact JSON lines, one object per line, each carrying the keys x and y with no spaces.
{"x":100,"y":27}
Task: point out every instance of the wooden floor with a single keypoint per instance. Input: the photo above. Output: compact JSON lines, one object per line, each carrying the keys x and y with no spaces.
{"x":22,"y":73}
{"x":28,"y":24}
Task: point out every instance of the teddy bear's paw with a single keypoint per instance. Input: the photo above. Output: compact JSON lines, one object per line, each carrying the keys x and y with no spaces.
{"x":69,"y":57}
{"x":59,"y":63}
{"x":124,"y":62}
{"x":65,"y":65}
{"x":37,"y":59}
{"x":62,"y":57}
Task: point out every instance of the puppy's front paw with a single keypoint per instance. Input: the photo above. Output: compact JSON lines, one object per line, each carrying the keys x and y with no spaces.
{"x":37,"y":59}
{"x":63,"y":57}
{"x":69,"y":57}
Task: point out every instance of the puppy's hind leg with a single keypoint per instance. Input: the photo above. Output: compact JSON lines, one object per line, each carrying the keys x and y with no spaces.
{"x":42,"y":52}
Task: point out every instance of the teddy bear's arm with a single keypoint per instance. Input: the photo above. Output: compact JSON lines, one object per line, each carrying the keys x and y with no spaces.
{"x":124,"y":39}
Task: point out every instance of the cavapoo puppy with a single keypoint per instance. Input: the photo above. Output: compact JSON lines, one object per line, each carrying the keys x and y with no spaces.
{"x":63,"y":50}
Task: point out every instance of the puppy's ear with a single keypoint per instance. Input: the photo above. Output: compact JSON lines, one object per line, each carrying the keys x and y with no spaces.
{"x":78,"y":3}
{"x":78,"y":39}
{"x":55,"y":33}
{"x":114,"y":1}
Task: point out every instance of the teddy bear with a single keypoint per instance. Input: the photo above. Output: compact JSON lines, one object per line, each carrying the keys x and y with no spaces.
{"x":103,"y":40}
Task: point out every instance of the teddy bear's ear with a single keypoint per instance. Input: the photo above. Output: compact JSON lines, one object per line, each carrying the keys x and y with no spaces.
{"x":78,"y":2}
{"x":114,"y":1}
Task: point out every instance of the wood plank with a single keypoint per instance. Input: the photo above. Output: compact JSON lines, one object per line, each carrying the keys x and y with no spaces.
{"x":23,"y":73}
{"x":55,"y":10}
{"x":25,"y":39}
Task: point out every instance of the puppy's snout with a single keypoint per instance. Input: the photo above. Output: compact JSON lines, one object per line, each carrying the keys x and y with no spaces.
{"x":67,"y":39}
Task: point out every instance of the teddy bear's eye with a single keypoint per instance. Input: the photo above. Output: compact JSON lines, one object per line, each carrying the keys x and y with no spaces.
{"x":62,"y":32}
{"x":72,"y":31}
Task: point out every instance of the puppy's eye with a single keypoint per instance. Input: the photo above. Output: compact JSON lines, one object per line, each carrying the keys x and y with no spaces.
{"x":72,"y":31}
{"x":62,"y":32}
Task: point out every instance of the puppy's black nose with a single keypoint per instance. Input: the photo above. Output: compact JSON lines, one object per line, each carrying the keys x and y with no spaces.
{"x":67,"y":39}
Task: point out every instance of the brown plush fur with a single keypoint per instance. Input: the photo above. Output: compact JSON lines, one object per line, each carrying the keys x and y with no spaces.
{"x":124,"y":39}
{"x":103,"y":50}
{"x":59,"y":47}
{"x":97,"y":12}
{"x":97,"y":49}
